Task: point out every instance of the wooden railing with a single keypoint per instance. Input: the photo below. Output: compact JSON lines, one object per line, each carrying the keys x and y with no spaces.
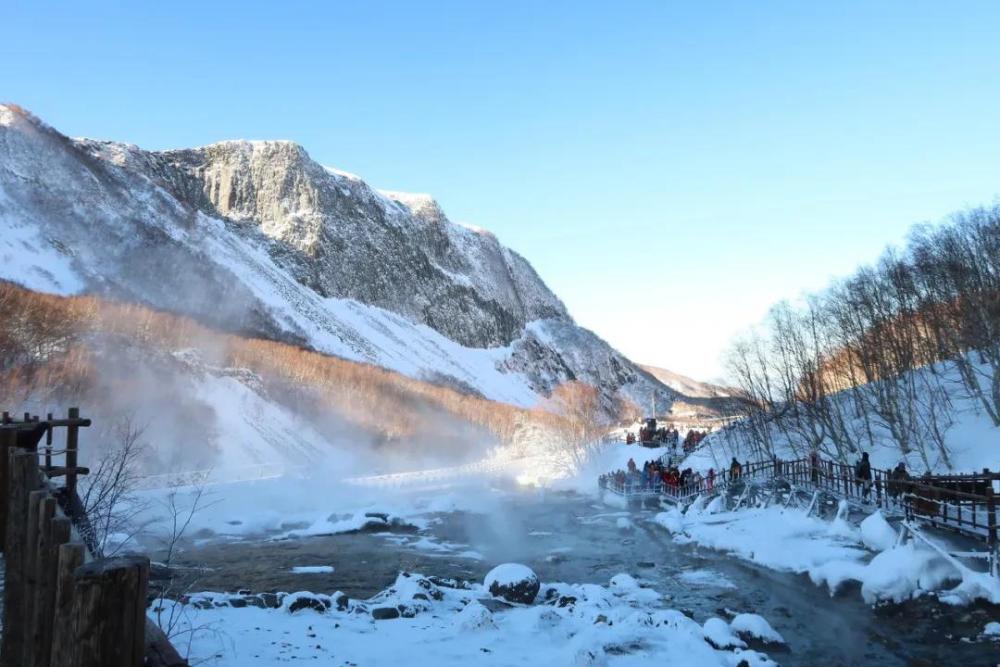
{"x":966,"y":503}
{"x":63,"y":605}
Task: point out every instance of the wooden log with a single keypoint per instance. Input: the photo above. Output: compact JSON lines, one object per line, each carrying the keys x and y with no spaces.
{"x":51,"y":533}
{"x":22,"y":478}
{"x":7,"y":442}
{"x":63,"y":471}
{"x":159,"y":651}
{"x":108,"y":612}
{"x":70,"y":557}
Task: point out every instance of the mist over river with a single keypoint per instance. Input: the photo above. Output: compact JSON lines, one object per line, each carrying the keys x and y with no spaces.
{"x":575,"y":538}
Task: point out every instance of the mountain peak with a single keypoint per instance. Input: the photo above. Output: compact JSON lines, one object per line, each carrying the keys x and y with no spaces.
{"x":420,"y":205}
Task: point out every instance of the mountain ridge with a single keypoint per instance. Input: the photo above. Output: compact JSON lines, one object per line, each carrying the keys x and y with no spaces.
{"x":258,"y":238}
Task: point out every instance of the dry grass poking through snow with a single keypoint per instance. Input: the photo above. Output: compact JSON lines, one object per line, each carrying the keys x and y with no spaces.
{"x":59,"y":347}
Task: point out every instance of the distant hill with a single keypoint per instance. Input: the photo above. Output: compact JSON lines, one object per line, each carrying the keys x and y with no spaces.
{"x":688,"y":386}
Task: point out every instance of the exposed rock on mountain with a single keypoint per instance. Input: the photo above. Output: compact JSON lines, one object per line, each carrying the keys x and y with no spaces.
{"x":257,"y":238}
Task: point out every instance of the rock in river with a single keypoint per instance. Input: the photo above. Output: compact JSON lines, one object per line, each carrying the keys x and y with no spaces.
{"x":513,"y":582}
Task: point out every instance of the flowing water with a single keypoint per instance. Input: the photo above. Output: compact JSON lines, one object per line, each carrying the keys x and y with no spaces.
{"x":571,"y":538}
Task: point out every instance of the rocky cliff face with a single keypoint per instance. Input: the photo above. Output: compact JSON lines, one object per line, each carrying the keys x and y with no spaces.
{"x":343,"y":239}
{"x":258,"y":238}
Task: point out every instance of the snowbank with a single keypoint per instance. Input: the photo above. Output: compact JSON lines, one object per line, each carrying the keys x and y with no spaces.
{"x":877,"y":534}
{"x":439,"y":622}
{"x":312,"y":569}
{"x":755,"y":626}
{"x":831,"y":554}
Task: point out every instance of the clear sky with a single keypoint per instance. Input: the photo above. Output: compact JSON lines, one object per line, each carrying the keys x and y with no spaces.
{"x":670,"y":169}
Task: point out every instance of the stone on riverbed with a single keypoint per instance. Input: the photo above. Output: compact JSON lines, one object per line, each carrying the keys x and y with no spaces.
{"x":513,"y":582}
{"x":385,"y":613}
{"x":474,"y":617}
{"x":296,"y":602}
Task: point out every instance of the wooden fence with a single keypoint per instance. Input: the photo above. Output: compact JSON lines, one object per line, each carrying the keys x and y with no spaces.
{"x":63,"y":605}
{"x":966,"y":503}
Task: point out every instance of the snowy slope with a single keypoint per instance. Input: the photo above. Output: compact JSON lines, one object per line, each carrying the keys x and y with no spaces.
{"x":969,"y":437}
{"x":256,"y":238}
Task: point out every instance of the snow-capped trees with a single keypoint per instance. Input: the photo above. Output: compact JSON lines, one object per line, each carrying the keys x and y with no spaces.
{"x":835,"y":371}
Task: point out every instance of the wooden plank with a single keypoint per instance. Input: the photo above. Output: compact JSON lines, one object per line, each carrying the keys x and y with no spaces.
{"x":57,"y":423}
{"x":62,"y":471}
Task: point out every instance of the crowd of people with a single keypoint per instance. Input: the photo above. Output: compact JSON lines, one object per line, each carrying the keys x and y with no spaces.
{"x":693,"y":439}
{"x":658,"y":476}
{"x":665,"y":437}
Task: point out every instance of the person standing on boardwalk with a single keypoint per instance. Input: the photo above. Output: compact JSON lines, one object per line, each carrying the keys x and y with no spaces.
{"x":863,"y":475}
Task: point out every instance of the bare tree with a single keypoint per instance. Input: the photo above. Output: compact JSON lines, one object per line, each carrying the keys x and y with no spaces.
{"x":579,"y":421}
{"x":109,"y":492}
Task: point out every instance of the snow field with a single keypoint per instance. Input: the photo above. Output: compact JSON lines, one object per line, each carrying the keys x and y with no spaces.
{"x":576,"y":625}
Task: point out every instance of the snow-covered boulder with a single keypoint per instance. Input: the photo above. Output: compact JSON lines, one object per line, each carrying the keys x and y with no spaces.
{"x":474,"y":617}
{"x":513,"y":582}
{"x":718,"y":633}
{"x":623,"y":583}
{"x":696,"y":507}
{"x":992,"y":629}
{"x":671,"y":520}
{"x":754,"y":625}
{"x":897,"y":573}
{"x":717,"y":505}
{"x":295,"y":602}
{"x":624,"y":523}
{"x":877,"y":534}
{"x":586,"y":650}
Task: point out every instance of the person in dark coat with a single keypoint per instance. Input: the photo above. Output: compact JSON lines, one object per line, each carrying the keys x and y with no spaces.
{"x":898,"y":480}
{"x":863,"y":475}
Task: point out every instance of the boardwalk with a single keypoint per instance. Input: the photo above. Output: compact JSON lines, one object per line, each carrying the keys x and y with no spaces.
{"x":962,"y":503}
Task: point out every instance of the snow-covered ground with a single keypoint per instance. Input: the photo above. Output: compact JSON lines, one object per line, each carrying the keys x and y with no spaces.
{"x":969,"y":435}
{"x":619,"y":623}
{"x":434,"y":624}
{"x":833,"y":553}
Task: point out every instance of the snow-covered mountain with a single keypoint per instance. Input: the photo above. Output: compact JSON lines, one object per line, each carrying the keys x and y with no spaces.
{"x":685,"y":385}
{"x":257,"y":238}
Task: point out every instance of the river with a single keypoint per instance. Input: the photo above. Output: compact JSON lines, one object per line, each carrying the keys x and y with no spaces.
{"x":573,"y":538}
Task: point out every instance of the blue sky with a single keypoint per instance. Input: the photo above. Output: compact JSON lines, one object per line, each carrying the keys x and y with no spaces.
{"x":670,"y":169}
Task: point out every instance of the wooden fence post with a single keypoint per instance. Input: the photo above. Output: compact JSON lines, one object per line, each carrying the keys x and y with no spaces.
{"x":30,"y":571}
{"x":8,"y":438}
{"x":70,"y":557}
{"x":48,"y":444}
{"x":52,"y":532}
{"x":108,"y":612}
{"x":22,"y":478}
{"x":991,"y":516}
{"x":72,"y":444}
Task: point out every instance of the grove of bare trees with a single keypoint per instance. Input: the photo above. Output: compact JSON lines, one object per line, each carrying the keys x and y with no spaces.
{"x":835,"y":370}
